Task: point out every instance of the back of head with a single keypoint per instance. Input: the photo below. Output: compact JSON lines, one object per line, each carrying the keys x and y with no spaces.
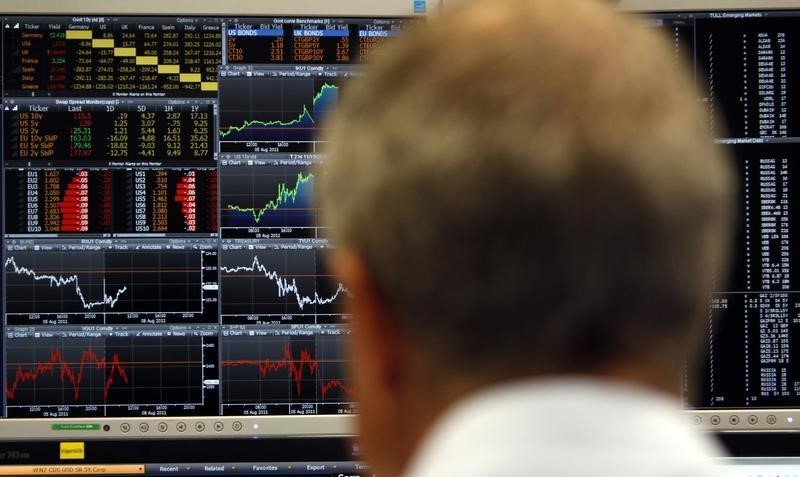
{"x":532,"y":187}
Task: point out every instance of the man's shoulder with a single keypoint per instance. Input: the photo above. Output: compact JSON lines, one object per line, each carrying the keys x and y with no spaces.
{"x":565,"y":427}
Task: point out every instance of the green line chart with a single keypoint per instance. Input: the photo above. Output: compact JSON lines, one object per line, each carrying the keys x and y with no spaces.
{"x":273,"y":111}
{"x":324,"y":96}
{"x":286,"y":196}
{"x":268,"y":196}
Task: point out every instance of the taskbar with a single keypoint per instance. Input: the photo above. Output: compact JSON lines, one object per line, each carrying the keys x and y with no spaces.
{"x":333,"y":469}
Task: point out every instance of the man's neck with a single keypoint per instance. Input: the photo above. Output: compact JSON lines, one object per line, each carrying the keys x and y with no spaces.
{"x":428,"y":408}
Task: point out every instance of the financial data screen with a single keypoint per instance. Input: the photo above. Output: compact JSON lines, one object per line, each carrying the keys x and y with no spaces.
{"x":746,"y":72}
{"x":162,"y":252}
{"x":161,"y":249}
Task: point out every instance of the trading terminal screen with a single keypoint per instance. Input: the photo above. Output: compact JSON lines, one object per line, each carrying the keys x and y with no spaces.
{"x":746,"y":70}
{"x":161,"y":249}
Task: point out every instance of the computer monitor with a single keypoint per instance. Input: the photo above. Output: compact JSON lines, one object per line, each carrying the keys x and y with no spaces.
{"x":163,"y":275}
{"x":742,"y":54}
{"x":162,"y":256}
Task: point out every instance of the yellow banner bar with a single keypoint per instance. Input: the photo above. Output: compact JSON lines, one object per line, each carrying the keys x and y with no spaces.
{"x":93,"y":469}
{"x":79,"y":34}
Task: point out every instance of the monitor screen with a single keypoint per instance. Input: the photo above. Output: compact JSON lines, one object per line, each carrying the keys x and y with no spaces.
{"x":745,"y":75}
{"x":163,"y":261}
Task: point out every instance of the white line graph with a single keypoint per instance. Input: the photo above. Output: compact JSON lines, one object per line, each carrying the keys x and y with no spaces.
{"x":287,"y":287}
{"x":60,"y":281}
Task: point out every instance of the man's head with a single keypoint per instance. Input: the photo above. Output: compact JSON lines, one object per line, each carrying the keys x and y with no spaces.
{"x":520,"y":188}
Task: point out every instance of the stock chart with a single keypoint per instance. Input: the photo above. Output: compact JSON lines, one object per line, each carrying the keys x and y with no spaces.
{"x":279,"y":283}
{"x":277,"y":110}
{"x":299,"y":110}
{"x":123,"y":373}
{"x":162,"y":249}
{"x":278,"y":372}
{"x":124,"y":283}
{"x":276,"y":195}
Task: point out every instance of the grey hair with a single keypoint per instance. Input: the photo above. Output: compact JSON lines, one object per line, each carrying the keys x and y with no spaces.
{"x":532,"y":182}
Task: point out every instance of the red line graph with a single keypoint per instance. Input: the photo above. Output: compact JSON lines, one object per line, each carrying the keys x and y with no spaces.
{"x":295,"y":369}
{"x":56,"y":363}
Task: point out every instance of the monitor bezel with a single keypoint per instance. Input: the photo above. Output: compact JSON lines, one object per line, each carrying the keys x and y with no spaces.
{"x":215,"y":8}
{"x":718,"y":420}
{"x":198,"y":427}
{"x":656,"y":6}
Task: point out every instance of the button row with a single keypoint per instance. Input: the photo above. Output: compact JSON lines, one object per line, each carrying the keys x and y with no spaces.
{"x":733,"y":420}
{"x":181,"y":426}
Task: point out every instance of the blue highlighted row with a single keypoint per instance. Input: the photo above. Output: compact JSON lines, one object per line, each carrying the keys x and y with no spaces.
{"x":255,"y":32}
{"x":344,"y":32}
{"x":378,"y":33}
{"x":279,"y":32}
